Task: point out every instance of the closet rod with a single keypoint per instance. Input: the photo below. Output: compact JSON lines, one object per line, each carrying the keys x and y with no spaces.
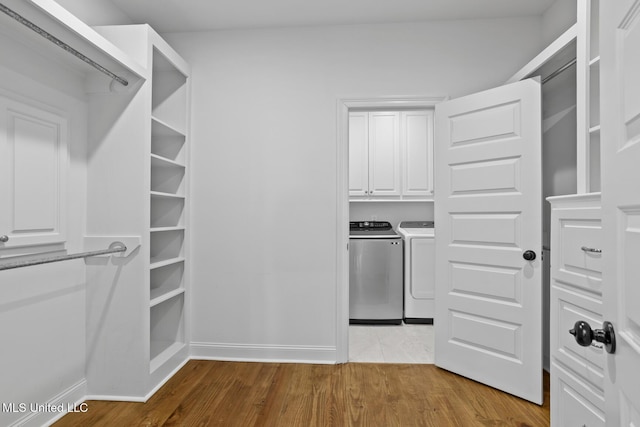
{"x":120,"y":248}
{"x":559,"y":70}
{"x":61,"y":44}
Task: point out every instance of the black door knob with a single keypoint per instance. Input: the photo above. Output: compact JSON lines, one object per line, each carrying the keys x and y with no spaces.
{"x":529,"y":255}
{"x":585,"y":335}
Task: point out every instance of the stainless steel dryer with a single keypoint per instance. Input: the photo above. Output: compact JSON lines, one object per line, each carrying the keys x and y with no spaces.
{"x":375,"y":273}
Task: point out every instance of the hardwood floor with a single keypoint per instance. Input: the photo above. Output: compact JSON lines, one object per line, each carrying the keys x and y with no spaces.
{"x":210,"y":393}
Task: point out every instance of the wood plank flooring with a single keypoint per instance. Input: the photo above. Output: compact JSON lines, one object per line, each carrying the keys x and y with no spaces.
{"x":211,"y":393}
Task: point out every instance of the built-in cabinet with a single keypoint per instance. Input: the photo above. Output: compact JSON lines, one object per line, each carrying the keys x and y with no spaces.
{"x":577,"y":373}
{"x":390,"y":155}
{"x":156,"y":304}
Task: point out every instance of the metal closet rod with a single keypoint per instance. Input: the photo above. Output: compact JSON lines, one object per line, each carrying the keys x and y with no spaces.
{"x":24,"y":21}
{"x":559,"y":70}
{"x":20,"y":264}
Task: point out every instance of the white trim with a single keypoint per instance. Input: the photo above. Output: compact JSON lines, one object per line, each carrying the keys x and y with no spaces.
{"x":342,"y":200}
{"x":263,"y":353}
{"x":72,"y":396}
{"x":546,"y":55}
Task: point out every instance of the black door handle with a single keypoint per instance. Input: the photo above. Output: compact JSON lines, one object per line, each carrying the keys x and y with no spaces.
{"x":585,"y":335}
{"x":529,"y":255}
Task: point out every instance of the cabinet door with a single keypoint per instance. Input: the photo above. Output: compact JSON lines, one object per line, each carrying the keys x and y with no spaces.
{"x":384,"y":154}
{"x":358,"y":154}
{"x":33,"y":167}
{"x":417,"y":153}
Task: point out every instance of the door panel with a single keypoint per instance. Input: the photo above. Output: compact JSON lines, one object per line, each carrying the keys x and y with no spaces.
{"x":488,"y":211}
{"x":620,"y":139}
{"x":34,"y":161}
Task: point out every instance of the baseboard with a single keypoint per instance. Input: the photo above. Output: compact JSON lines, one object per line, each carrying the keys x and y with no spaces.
{"x":263,"y":353}
{"x":56,"y":408}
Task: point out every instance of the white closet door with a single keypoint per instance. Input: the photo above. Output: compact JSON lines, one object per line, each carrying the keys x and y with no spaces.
{"x":358,"y":154}
{"x":488,"y":321}
{"x":33,"y":167}
{"x":620,"y":136}
{"x":384,"y":154}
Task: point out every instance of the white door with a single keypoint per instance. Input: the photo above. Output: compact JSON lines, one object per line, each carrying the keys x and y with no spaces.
{"x":620,"y":138}
{"x":488,"y":214}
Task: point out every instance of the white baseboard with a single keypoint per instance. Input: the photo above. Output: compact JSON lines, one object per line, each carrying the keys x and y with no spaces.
{"x":263,"y":353}
{"x":56,"y":408}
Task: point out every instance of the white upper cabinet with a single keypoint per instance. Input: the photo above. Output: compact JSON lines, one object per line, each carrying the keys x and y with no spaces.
{"x":358,"y":154}
{"x":33,"y":174}
{"x":384,"y":154}
{"x":417,"y":153}
{"x":391,"y":155}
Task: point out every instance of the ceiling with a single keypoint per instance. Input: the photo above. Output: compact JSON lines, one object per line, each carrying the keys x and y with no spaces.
{"x":203,"y":15}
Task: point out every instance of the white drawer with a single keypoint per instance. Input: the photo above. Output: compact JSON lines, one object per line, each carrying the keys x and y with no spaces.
{"x":567,"y":307}
{"x":576,"y":403}
{"x":576,"y":239}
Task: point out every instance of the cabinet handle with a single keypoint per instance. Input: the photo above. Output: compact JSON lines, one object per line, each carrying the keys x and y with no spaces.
{"x":592,"y":250}
{"x":4,"y":238}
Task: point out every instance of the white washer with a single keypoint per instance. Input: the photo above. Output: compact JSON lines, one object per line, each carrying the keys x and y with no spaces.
{"x":419,"y":270}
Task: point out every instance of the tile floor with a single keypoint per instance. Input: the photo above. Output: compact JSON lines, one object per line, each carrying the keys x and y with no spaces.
{"x":391,"y":343}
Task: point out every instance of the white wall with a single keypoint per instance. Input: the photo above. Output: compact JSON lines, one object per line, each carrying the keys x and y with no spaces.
{"x":96,"y":12}
{"x":264,"y":161}
{"x":42,"y":308}
{"x":560,"y":16}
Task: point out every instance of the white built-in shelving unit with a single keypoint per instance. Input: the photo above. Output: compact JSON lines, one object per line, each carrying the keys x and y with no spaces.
{"x":163,"y":123}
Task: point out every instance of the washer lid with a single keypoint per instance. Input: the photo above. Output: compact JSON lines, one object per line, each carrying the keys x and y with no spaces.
{"x":416,"y":224}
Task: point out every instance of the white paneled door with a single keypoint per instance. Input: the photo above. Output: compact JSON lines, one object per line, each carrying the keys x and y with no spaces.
{"x":620,"y":139}
{"x":488,"y":322}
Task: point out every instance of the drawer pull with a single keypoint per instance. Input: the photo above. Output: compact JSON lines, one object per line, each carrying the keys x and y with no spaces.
{"x":592,"y":250}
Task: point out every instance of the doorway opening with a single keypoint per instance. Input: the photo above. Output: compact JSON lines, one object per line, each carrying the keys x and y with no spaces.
{"x":344,"y":107}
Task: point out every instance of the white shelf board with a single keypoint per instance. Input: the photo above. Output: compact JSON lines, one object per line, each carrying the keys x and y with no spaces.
{"x":172,"y":348}
{"x":161,"y":263}
{"x":60,"y":23}
{"x":167,"y":195}
{"x":165,"y":129}
{"x":551,"y":52}
{"x":161,"y":295}
{"x":172,"y":228}
{"x":159,"y":161}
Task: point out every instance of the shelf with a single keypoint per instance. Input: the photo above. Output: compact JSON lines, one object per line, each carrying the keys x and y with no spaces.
{"x":595,"y":62}
{"x":163,"y":263}
{"x":166,"y":195}
{"x":54,"y":19}
{"x":169,"y":94}
{"x":169,"y":228}
{"x":166,"y":212}
{"x":166,"y":280}
{"x":166,"y":245}
{"x":164,"y":352}
{"x":160,"y":295}
{"x":594,"y":129}
{"x":558,"y":53}
{"x":160,"y":161}
{"x":166,"y":329}
{"x":167,"y":178}
{"x":167,"y":142}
